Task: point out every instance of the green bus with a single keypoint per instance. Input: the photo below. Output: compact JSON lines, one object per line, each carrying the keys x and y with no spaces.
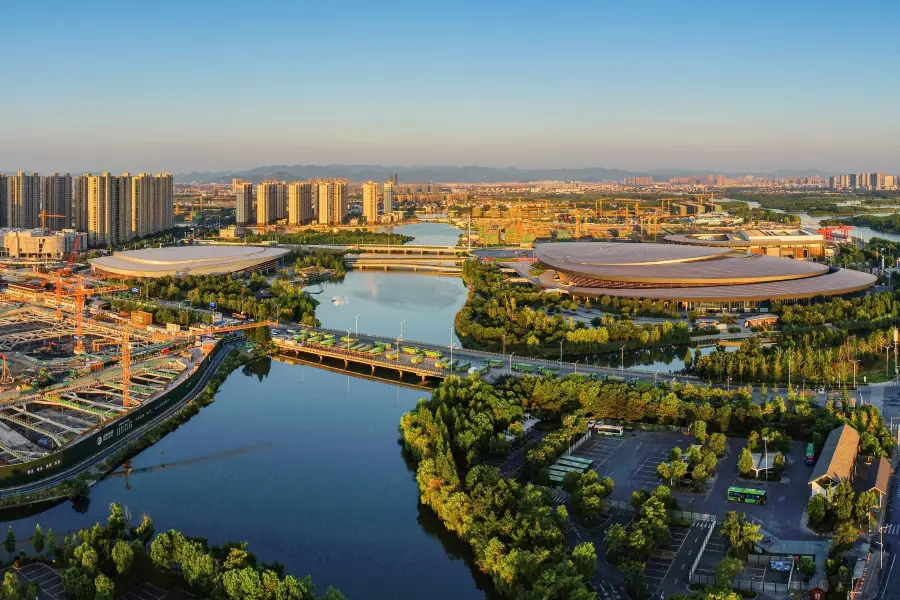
{"x":493,"y":363}
{"x":810,"y":455}
{"x":746,"y":495}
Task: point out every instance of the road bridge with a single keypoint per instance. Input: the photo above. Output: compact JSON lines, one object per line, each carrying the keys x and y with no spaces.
{"x":283,"y":338}
{"x":407,"y":249}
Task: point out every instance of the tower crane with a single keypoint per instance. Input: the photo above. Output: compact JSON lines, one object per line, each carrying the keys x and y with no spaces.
{"x":44,"y":215}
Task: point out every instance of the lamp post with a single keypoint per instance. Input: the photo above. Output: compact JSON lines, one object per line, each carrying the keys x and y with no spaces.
{"x":451,"y":348}
{"x":504,"y":344}
{"x":400,"y":339}
{"x":887,"y":358}
{"x":357,"y":325}
{"x":560,"y":354}
{"x":766,"y":454}
{"x":622,"y":360}
{"x":348,"y":338}
{"x":855,"y":366}
{"x":510,"y":362}
{"x":576,"y":367}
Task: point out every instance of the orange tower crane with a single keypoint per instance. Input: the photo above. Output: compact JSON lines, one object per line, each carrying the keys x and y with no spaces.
{"x":5,"y":376}
{"x":81,"y":294}
{"x":44,"y":215}
{"x":126,"y":370}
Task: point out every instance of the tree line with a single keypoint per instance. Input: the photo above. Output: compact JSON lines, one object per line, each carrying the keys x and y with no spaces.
{"x":108,"y":560}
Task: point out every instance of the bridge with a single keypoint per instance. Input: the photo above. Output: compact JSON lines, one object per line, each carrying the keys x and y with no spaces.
{"x":407,"y":249}
{"x":445,"y":265}
{"x":429,"y":368}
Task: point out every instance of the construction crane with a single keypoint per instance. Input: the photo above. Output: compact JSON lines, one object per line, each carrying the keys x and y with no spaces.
{"x":81,"y":294}
{"x":213,"y":330}
{"x":5,"y":375}
{"x":126,"y":370}
{"x":44,"y":215}
{"x":68,"y":270}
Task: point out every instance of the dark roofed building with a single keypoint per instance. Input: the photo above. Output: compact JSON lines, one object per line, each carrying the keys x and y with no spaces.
{"x":873,"y":475}
{"x":837,"y":460}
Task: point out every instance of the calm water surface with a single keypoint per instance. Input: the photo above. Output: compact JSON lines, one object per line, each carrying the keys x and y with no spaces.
{"x":322,"y":486}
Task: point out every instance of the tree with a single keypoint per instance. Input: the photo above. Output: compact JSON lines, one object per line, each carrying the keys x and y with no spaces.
{"x":844,"y":536}
{"x":585,"y":558}
{"x":38,"y":539}
{"x":741,"y":533}
{"x":815,"y":508}
{"x":726,"y":570}
{"x":123,"y":557}
{"x":699,"y":429}
{"x":11,"y":587}
{"x":52,"y":550}
{"x":78,"y":584}
{"x":116,"y":521}
{"x":616,"y":538}
{"x":745,"y":461}
{"x":688,"y":360}
{"x":106,"y":589}
{"x":842,"y":501}
{"x":717,"y":443}
{"x":144,"y":531}
{"x":10,"y":543}
{"x":806,"y":566}
{"x":865,"y":502}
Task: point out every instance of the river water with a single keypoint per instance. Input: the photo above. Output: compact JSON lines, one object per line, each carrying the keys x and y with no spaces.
{"x":322,"y":486}
{"x":865,"y":233}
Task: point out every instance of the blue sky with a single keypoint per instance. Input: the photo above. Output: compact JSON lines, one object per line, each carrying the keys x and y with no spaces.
{"x":97,"y":85}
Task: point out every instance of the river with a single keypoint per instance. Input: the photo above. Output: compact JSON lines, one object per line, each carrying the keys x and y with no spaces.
{"x":865,"y":233}
{"x":322,"y":487}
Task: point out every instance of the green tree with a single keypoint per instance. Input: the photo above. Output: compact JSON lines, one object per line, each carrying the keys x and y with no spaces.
{"x":699,"y":430}
{"x":842,"y":501}
{"x":585,"y":558}
{"x":10,"y":543}
{"x":742,"y":534}
{"x":105,"y":588}
{"x":11,"y":587}
{"x":688,"y":359}
{"x":116,"y":521}
{"x":806,"y":566}
{"x":815,"y":508}
{"x":616,"y":538}
{"x":123,"y":557}
{"x":717,"y":443}
{"x":144,"y":531}
{"x":38,"y":539}
{"x":844,"y":535}
{"x":865,"y":502}
{"x":726,"y":570}
{"x":745,"y":461}
{"x":52,"y":550}
{"x":78,"y":584}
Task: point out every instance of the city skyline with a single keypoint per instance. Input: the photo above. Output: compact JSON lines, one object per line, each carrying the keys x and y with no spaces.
{"x":633,"y":87}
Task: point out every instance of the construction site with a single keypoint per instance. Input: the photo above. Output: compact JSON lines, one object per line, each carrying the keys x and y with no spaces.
{"x":75,"y":378}
{"x":525,"y":222}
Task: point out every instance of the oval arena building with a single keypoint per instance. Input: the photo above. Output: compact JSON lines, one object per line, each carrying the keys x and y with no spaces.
{"x":180,"y":261}
{"x":692,"y":276}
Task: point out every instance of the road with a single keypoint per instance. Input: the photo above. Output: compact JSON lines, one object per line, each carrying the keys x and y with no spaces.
{"x":89,"y":463}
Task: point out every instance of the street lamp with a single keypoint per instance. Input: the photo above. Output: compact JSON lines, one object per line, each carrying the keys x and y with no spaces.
{"x":357,"y":325}
{"x":400,"y":339}
{"x":855,"y":366}
{"x":560,"y":354}
{"x":451,"y":348}
{"x":510,"y":362}
{"x":576,"y":367}
{"x":622,"y":361}
{"x":887,"y":358}
{"x":766,"y":455}
{"x":504,"y":343}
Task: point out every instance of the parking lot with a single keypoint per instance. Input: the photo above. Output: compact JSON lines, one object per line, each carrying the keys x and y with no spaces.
{"x":48,"y":581}
{"x":148,"y":591}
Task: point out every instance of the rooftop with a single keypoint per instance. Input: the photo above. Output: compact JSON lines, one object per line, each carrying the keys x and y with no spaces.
{"x":838,"y":455}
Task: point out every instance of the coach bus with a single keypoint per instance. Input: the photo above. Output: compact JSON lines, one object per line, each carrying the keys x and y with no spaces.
{"x":615,"y":430}
{"x":810,"y":454}
{"x":746,"y":495}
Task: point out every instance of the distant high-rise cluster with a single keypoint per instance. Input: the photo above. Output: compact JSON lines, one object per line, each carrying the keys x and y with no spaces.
{"x":110,"y":208}
{"x":864,"y":181}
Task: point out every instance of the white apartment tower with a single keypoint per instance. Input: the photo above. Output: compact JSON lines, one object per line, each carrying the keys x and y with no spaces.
{"x":24,"y":200}
{"x":388,"y":197}
{"x":109,"y":209}
{"x":271,"y":202}
{"x":333,"y":205}
{"x":152,"y":201}
{"x":370,"y":201}
{"x":80,"y":202}
{"x":56,"y":199}
{"x":299,"y":203}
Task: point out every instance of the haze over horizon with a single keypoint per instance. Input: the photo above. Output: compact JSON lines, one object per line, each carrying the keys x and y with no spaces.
{"x":655,"y":85}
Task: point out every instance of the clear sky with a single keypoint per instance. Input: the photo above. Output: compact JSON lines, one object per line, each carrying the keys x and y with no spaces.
{"x":220,"y":85}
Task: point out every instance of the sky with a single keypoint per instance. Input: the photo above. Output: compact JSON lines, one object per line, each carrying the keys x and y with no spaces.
{"x":229,"y":85}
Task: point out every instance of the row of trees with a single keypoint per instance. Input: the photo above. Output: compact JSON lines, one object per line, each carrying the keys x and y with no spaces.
{"x":106,"y":560}
{"x":873,"y":311}
{"x":499,"y":315}
{"x":517,"y":536}
{"x":342,"y":236}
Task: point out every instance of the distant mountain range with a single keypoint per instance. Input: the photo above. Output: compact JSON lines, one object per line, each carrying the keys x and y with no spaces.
{"x":451,"y":174}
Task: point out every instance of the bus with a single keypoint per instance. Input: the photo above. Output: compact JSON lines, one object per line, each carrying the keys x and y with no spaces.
{"x":810,"y":454}
{"x":493,"y":363}
{"x":524,"y":368}
{"x":615,"y":430}
{"x":409,"y":350}
{"x":433,"y":354}
{"x":746,"y":495}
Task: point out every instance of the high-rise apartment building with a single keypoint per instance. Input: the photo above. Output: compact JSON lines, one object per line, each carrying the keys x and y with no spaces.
{"x":394,"y":179}
{"x":370,"y":201}
{"x":24,"y":200}
{"x":109,"y":209}
{"x":271,"y":202}
{"x":80,"y":203}
{"x":4,"y":200}
{"x":243,"y":192}
{"x":299,"y":203}
{"x":333,"y":205}
{"x":388,"y":197}
{"x":152,"y":203}
{"x":56,"y":199}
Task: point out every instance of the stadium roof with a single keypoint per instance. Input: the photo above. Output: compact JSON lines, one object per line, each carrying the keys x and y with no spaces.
{"x":187,"y":260}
